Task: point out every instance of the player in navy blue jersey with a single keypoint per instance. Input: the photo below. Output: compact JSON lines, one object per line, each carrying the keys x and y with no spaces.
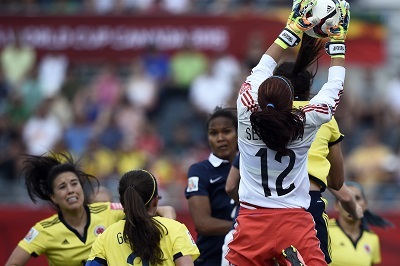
{"x":212,"y":209}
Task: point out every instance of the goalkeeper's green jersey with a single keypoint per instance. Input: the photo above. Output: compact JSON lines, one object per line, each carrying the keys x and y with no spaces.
{"x":318,"y":165}
{"x":176,"y":241}
{"x":62,"y":245}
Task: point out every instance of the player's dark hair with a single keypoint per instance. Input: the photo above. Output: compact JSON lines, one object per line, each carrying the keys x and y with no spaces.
{"x":276,"y":122}
{"x":137,"y":189}
{"x":41,"y":170}
{"x":299,"y":72}
{"x":229,"y":113}
{"x":369,"y":218}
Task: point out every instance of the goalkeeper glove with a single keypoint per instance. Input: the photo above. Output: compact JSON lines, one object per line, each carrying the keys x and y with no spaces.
{"x":297,"y":23}
{"x":336,"y":46}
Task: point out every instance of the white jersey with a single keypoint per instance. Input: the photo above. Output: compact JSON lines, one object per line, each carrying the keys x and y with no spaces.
{"x":269,"y":179}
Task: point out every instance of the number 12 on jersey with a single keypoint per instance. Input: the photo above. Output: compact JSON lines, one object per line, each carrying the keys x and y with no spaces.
{"x":262,"y":153}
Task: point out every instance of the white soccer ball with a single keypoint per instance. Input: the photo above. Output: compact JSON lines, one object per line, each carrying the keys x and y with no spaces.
{"x":324,"y":9}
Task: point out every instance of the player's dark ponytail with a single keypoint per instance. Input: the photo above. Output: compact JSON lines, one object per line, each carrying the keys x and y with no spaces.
{"x":40,"y":171}
{"x":137,"y":190}
{"x":298,"y":72}
{"x":277,"y":123}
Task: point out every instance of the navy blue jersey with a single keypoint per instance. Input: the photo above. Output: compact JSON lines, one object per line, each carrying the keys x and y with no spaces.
{"x":236,"y":161}
{"x":208,"y":178}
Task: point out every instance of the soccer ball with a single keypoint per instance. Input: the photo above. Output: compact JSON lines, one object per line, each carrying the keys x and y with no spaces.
{"x":324,"y":9}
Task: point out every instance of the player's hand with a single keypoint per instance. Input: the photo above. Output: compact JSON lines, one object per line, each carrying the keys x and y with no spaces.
{"x":358,"y":213}
{"x":338,"y":33}
{"x":297,"y":23}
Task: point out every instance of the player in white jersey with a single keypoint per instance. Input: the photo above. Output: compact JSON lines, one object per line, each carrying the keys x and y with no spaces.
{"x":274,"y":140}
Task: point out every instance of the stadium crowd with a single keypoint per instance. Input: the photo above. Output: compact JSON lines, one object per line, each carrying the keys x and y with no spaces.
{"x":150,"y":112}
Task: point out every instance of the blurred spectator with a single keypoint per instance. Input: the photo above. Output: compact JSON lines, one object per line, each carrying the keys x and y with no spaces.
{"x":186,"y":65}
{"x":42,"y":131}
{"x":4,"y":91}
{"x":254,"y":51}
{"x":176,"y":6}
{"x":31,"y":91}
{"x":227,"y":67}
{"x":10,"y":146}
{"x":366,"y":163}
{"x":99,"y":161}
{"x":130,"y":119}
{"x":149,"y":141}
{"x":62,"y":109}
{"x":107,"y":87}
{"x":70,"y":86}
{"x":156,"y":64}
{"x":111,"y":135}
{"x":17,"y":60}
{"x":141,"y":89}
{"x":52,"y":71}
{"x":209,"y":90}
{"x":17,"y":111}
{"x":77,"y":136}
{"x":392,"y":98}
{"x":128,"y":159}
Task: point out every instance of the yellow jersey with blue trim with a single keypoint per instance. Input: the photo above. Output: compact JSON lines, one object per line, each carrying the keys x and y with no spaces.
{"x":63,"y":245}
{"x":111,"y":249}
{"x":364,"y":252}
{"x":318,"y":165}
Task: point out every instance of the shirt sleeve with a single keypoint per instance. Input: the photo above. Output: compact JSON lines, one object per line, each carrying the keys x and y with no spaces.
{"x":184,"y":244}
{"x":247,"y":99}
{"x":336,"y":136}
{"x":198,"y":181}
{"x":376,"y":252}
{"x":35,"y":241}
{"x":97,"y":252}
{"x":323,"y":105}
{"x":116,"y":213}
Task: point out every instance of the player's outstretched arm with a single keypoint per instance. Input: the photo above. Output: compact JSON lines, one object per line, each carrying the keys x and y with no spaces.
{"x":296,"y":25}
{"x":18,"y":257}
{"x":336,"y":172}
{"x":336,"y":47}
{"x":348,"y":201}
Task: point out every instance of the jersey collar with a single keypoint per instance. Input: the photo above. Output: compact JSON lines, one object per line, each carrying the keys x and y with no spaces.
{"x":215,"y":161}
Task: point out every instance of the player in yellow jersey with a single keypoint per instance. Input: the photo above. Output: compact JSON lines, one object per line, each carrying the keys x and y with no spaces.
{"x":64,"y":238}
{"x":352,"y":241}
{"x":142,"y":238}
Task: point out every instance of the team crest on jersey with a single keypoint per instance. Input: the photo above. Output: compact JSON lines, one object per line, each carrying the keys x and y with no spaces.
{"x":367,"y":248}
{"x":31,"y":235}
{"x":191,"y":238}
{"x":193,"y":184}
{"x":116,"y":206}
{"x":99,"y":229}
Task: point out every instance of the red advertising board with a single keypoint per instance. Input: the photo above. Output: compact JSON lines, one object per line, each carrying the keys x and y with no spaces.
{"x":121,"y":37}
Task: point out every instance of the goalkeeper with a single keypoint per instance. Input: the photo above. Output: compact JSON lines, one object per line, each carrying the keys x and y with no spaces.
{"x":273,"y":190}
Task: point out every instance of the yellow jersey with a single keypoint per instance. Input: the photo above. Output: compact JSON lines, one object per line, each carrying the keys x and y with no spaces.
{"x":364,"y":252}
{"x":176,"y":242}
{"x":61,"y":244}
{"x":318,"y":165}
